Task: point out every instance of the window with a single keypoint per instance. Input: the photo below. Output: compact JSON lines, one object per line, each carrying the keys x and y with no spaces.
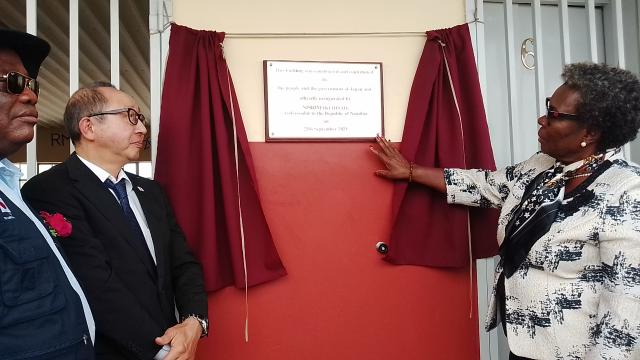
{"x":93,"y":54}
{"x":142,"y":168}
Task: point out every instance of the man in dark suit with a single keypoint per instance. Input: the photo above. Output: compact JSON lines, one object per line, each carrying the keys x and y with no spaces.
{"x":43,"y":311}
{"x":126,"y":247}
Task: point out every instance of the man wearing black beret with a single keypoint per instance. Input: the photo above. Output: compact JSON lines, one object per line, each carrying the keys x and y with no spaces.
{"x":43,"y":312}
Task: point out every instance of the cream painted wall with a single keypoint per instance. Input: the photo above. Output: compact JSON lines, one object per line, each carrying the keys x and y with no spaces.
{"x":399,"y":54}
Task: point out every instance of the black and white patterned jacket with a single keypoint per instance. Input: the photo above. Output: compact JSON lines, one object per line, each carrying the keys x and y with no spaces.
{"x":577,"y":295}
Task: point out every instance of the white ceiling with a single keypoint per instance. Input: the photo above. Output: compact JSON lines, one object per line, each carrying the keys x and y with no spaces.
{"x":94,"y":49}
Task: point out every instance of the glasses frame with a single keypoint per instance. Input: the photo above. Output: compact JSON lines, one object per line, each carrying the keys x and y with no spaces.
{"x":132,"y":115}
{"x":556,"y":115}
{"x":17,"y":82}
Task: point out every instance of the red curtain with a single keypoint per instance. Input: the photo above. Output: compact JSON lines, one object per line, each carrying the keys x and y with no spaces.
{"x":426,"y":230}
{"x":196,"y":164}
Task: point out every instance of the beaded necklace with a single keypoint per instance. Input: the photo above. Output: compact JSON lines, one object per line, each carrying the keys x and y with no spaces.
{"x":577,"y":176}
{"x":567,"y":172}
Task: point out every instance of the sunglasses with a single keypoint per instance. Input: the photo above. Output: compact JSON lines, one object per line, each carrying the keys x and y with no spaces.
{"x":132,"y":114}
{"x":553,"y":114}
{"x":16,"y":83}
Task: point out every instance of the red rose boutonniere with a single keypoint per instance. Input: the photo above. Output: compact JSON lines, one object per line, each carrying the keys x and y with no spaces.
{"x":58,"y":225}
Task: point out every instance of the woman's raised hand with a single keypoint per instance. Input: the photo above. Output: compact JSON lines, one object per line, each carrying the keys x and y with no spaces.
{"x":398,"y":168}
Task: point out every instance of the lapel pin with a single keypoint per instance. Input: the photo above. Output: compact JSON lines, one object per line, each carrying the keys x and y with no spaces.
{"x":139,"y":188}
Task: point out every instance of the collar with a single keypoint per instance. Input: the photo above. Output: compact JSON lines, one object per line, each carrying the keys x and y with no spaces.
{"x":10,"y":174}
{"x":562,"y":171}
{"x":101,"y":173}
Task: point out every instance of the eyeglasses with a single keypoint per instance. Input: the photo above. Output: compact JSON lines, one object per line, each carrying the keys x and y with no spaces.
{"x":16,"y":83}
{"x":132,"y":114}
{"x":553,"y":114}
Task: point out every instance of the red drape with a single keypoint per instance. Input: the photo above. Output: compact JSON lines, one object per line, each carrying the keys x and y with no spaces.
{"x":196,"y":164}
{"x":426,"y":231}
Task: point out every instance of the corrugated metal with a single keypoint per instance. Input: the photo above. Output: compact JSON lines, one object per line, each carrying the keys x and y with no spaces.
{"x":94,"y":48}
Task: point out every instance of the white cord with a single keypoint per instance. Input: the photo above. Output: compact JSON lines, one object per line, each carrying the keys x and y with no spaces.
{"x":244,"y":253}
{"x":464,"y":159}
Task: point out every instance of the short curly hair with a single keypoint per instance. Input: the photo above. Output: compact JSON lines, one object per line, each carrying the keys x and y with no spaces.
{"x":609,"y":101}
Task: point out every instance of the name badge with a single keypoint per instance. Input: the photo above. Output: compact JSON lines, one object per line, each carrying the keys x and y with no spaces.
{"x":5,"y":211}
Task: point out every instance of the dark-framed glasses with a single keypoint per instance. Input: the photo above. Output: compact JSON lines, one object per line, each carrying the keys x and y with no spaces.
{"x":553,"y":114}
{"x":16,"y":83}
{"x":133,"y":115}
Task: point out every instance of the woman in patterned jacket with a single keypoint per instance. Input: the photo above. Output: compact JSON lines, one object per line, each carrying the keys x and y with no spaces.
{"x":568,"y":282}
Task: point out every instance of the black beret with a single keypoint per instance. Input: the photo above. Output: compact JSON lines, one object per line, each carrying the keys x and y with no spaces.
{"x":31,"y":49}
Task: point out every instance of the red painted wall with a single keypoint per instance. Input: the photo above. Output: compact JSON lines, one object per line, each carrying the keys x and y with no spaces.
{"x":326,"y":211}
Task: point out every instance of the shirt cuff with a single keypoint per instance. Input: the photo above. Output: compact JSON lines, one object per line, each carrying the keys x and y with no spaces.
{"x":162,"y":353}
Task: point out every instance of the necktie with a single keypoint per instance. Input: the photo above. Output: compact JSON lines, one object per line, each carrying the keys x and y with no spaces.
{"x":120,"y":189}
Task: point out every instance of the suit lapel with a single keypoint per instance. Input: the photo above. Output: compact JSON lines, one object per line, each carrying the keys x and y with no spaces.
{"x":96,"y":193}
{"x":153,"y":214}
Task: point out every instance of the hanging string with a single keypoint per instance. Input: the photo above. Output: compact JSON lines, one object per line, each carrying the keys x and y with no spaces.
{"x":244,"y":252}
{"x":285,"y":35}
{"x":260,"y":35}
{"x":325,"y":34}
{"x":464,"y":160}
{"x":165,"y":25}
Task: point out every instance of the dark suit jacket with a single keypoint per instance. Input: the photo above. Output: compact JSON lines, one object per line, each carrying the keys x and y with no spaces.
{"x":131,"y":303}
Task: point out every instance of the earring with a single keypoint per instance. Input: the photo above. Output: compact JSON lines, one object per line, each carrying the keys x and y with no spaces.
{"x":583,"y":144}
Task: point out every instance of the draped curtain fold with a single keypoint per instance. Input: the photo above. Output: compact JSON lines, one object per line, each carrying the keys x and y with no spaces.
{"x":443,"y":131}
{"x":216,"y":203}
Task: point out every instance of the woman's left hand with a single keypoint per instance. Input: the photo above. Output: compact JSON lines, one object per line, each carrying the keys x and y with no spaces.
{"x":397,"y":166}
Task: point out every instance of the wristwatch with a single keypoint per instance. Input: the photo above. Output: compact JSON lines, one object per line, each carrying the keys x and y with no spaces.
{"x":204,"y":323}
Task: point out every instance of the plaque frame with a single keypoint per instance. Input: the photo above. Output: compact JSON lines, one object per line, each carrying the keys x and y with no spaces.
{"x":312,"y":126}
